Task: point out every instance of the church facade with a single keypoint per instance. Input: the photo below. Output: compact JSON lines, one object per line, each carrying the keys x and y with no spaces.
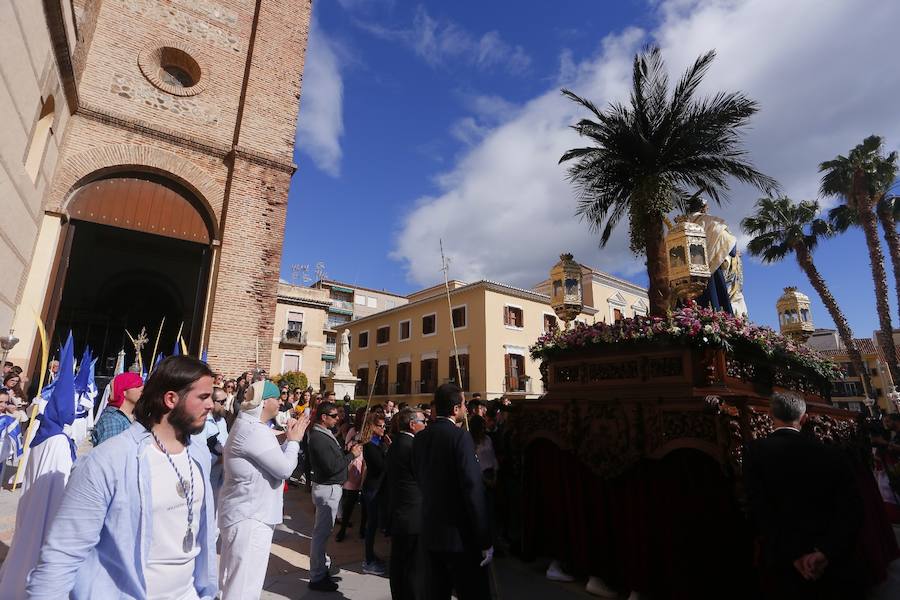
{"x":146,"y":182}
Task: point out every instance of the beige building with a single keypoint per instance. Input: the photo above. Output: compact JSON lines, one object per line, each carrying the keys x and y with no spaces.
{"x":145,"y":162}
{"x":406,"y":352}
{"x":301,"y":339}
{"x":307,"y":320}
{"x":848,"y":392}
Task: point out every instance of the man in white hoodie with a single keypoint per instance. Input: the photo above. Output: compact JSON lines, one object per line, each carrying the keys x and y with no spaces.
{"x":250,"y":501}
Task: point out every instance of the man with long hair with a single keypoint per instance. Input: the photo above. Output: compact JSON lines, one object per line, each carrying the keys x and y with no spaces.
{"x":137,"y":518}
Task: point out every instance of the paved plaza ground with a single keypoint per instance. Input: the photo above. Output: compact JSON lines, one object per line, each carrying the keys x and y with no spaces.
{"x":289,"y":562}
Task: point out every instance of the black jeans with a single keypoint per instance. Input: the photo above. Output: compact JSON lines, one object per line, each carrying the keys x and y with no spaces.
{"x":348,"y":503}
{"x":370,"y":503}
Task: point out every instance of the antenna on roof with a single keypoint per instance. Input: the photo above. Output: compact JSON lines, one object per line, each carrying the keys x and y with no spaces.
{"x":320,"y":271}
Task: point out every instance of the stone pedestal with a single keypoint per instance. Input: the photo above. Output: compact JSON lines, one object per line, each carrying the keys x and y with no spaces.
{"x":341,"y":384}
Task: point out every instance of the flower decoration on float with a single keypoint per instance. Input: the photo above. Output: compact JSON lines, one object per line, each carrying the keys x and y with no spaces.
{"x":697,"y":327}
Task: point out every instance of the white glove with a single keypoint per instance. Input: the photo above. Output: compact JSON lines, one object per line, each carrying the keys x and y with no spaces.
{"x":488,"y":556}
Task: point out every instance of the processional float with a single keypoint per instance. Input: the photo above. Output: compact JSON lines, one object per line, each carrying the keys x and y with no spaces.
{"x":630,"y":463}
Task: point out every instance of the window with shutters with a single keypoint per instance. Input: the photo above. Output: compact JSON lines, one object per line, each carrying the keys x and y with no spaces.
{"x":429,"y":375}
{"x":463,"y":370}
{"x":362,"y":386}
{"x":617,"y":314}
{"x":515,"y":372}
{"x":383,"y":335}
{"x":459,"y":317}
{"x":381,"y":381}
{"x":405,"y":327}
{"x":290,"y":363}
{"x":429,"y":324}
{"x":404,"y":378}
{"x":549,"y":323}
{"x":363,"y":339}
{"x":513,"y":316}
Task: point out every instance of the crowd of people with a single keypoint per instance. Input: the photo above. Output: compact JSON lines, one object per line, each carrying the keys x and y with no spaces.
{"x":181,"y":493}
{"x":182,"y":490}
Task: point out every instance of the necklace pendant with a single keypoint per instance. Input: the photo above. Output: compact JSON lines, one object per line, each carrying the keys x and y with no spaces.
{"x":188,"y":543}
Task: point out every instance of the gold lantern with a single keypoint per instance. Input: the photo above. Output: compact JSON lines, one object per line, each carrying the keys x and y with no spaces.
{"x":794,"y":317}
{"x":686,"y":251}
{"x":565,"y":288}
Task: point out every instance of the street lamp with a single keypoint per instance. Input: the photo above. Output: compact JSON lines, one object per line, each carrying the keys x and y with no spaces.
{"x":7,"y":343}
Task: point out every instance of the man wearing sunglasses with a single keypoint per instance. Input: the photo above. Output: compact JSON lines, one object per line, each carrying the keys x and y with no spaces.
{"x":328,"y":470}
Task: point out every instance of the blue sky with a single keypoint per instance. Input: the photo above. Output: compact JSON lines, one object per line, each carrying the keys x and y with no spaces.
{"x":428,"y":120}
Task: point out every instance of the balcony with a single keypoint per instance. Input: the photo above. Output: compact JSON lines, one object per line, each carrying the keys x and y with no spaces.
{"x":330,"y":348}
{"x":293,"y":338}
{"x":341,"y":307}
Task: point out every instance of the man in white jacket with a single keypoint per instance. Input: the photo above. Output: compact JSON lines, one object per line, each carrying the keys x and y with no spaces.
{"x":250,"y":501}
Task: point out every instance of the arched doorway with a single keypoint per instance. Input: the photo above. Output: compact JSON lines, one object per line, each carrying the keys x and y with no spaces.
{"x":136,"y":249}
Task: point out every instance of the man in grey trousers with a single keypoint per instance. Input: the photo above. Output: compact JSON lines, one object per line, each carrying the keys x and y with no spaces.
{"x":328,"y":463}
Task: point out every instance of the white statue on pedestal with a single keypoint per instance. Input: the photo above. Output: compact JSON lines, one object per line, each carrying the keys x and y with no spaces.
{"x":342,"y":366}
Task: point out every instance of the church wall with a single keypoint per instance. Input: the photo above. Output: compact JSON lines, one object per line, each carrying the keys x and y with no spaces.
{"x":92,"y":145}
{"x":28,"y":79}
{"x":120,"y":56}
{"x":270,"y":120}
{"x":250,"y":260}
{"x":126,"y":120}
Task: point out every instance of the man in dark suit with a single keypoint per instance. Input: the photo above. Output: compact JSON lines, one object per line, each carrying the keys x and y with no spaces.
{"x":404,"y":509}
{"x":804,"y":499}
{"x":456,"y":533}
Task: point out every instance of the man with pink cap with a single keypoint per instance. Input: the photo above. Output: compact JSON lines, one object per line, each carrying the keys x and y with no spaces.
{"x":117,"y":416}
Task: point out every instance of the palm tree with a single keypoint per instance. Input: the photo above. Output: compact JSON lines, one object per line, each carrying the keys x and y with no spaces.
{"x":780,"y":227}
{"x":842,"y":217}
{"x":649,"y":156}
{"x":862,"y":178}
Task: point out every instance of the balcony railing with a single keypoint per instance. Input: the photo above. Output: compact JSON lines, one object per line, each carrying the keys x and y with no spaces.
{"x":342,"y":306}
{"x":293,"y":337}
{"x":329,"y":348}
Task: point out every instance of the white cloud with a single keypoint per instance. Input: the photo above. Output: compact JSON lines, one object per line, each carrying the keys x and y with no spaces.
{"x":321,"y":122}
{"x":505,"y":210}
{"x":440,"y":42}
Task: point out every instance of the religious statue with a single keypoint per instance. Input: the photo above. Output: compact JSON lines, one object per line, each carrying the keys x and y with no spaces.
{"x":343,"y":357}
{"x":724,"y":291}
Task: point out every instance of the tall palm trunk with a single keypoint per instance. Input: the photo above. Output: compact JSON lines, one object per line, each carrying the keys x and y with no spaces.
{"x":804,"y":259}
{"x":869,"y":223}
{"x":886,"y":216}
{"x":657,"y":265}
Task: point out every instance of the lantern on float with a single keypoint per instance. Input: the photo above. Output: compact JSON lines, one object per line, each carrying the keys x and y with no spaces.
{"x":794,"y":318}
{"x":687,"y":257}
{"x":565,"y":288}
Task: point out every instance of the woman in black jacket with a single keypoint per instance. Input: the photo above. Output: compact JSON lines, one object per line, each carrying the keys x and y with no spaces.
{"x":375,"y":445}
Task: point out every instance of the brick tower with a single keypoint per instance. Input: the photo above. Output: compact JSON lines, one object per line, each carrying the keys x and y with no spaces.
{"x":169,"y":194}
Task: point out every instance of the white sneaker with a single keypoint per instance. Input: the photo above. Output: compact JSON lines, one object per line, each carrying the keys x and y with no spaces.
{"x":597,"y":587}
{"x":555,"y":573}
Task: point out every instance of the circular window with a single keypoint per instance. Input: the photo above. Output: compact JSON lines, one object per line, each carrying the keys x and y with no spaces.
{"x":172,"y":69}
